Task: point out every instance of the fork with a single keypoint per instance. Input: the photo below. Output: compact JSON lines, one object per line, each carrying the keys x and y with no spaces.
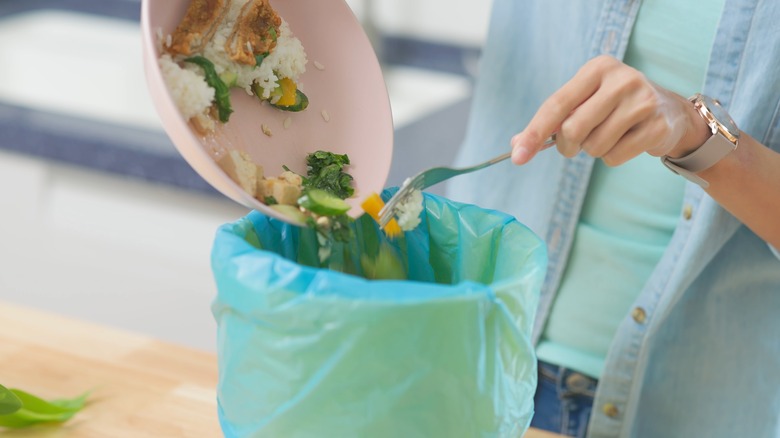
{"x":435,"y":175}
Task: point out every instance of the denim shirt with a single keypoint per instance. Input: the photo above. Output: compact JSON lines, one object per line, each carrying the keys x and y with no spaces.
{"x":698,"y":354}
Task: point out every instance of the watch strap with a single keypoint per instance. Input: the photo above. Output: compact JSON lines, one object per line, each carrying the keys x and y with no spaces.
{"x":704,"y":157}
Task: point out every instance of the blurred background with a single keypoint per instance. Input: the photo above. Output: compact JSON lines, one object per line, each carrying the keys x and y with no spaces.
{"x":101,"y":218}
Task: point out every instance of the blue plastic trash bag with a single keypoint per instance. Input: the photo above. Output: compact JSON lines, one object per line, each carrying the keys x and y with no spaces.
{"x":309,"y":352}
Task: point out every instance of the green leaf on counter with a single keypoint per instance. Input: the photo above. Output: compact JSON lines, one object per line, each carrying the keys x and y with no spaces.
{"x":9,"y":402}
{"x":35,"y":410}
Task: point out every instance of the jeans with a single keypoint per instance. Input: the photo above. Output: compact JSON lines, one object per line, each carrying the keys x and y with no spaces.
{"x":563,"y":400}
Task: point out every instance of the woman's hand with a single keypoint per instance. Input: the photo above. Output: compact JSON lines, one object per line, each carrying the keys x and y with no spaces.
{"x":613,"y":112}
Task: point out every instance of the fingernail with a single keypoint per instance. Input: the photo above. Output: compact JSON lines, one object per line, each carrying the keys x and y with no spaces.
{"x":520,"y":154}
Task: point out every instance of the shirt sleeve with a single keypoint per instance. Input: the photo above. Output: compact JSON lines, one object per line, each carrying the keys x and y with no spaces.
{"x":774,"y":251}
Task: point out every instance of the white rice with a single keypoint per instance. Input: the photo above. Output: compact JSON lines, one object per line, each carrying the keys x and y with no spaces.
{"x":187,"y":83}
{"x":286,"y":60}
{"x":189,"y":89}
{"x":408,"y":210}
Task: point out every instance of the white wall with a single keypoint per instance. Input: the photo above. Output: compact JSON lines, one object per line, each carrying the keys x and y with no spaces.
{"x":463,"y":22}
{"x":109,"y":249}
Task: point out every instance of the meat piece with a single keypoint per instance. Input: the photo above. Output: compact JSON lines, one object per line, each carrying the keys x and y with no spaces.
{"x":285,"y":189}
{"x":284,"y":192}
{"x":241,"y":169}
{"x":198,"y":26}
{"x":254,"y":33}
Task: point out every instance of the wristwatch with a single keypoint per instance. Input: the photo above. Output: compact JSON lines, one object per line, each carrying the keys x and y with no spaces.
{"x":724,"y":139}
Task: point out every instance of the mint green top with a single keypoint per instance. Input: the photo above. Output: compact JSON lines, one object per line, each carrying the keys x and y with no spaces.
{"x":630,"y":211}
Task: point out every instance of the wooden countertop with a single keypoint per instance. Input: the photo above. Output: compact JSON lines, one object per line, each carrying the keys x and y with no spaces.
{"x":141,"y":387}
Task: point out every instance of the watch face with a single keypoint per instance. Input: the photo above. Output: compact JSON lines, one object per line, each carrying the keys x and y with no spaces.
{"x":720,"y":114}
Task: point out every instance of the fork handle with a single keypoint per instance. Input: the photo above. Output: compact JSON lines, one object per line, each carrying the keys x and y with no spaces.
{"x":547,"y":143}
{"x":495,"y":160}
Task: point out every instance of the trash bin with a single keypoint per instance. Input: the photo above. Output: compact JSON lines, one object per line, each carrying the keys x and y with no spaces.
{"x":309,"y":352}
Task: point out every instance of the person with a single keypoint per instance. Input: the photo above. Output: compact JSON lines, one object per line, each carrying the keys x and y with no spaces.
{"x":659,"y":311}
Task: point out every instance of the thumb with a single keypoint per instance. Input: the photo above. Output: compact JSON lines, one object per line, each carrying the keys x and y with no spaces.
{"x":526,"y":145}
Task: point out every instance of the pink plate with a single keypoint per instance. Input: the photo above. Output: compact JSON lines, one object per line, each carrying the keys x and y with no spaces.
{"x":350,"y":89}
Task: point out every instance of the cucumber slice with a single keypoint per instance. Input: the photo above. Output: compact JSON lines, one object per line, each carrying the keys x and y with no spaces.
{"x":323,"y":203}
{"x":301,"y":100}
{"x":291,"y":212}
{"x":301,"y":103}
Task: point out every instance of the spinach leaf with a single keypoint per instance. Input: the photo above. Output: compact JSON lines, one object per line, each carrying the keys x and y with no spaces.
{"x":35,"y":410}
{"x":221,"y":90}
{"x":341,"y":229}
{"x":9,"y":402}
{"x":326,"y":172}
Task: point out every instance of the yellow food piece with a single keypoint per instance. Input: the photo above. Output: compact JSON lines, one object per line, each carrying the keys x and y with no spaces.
{"x":372,"y":205}
{"x":289,"y":88}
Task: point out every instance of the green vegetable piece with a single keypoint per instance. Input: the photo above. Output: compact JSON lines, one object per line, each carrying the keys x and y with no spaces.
{"x":222,"y":91}
{"x":35,"y":410}
{"x":229,"y":78}
{"x":252,"y":238}
{"x":323,"y":203}
{"x":326,"y":172}
{"x":301,"y":100}
{"x":272,"y":31}
{"x":301,"y":103}
{"x":270,"y":200}
{"x":260,"y":58}
{"x":341,"y":229}
{"x":308,"y":246}
{"x":9,"y":402}
{"x":292,"y":212}
{"x":385,"y":266}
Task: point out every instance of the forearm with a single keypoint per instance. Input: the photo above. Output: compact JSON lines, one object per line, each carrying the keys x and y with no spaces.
{"x":747,"y":184}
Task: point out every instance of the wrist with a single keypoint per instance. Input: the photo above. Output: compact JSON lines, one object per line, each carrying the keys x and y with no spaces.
{"x":696,"y":134}
{"x":722,"y":140}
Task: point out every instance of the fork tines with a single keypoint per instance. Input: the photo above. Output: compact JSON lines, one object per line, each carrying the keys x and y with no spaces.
{"x":388,"y":211}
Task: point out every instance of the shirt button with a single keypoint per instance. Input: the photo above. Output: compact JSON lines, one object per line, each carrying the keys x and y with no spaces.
{"x":687,"y":212}
{"x":555,"y":238}
{"x":576,"y":382}
{"x":639,"y":315}
{"x":610,"y":410}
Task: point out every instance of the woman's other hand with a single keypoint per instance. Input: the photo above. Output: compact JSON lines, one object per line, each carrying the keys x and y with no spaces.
{"x":613,"y":112}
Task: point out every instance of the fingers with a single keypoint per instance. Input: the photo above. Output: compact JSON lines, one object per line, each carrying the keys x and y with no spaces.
{"x":579,"y":126}
{"x":609,"y":111}
{"x":626,"y":115}
{"x":553,"y":112}
{"x":628,"y":146}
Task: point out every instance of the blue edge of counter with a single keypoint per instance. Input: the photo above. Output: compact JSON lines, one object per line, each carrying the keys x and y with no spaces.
{"x":149,"y":155}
